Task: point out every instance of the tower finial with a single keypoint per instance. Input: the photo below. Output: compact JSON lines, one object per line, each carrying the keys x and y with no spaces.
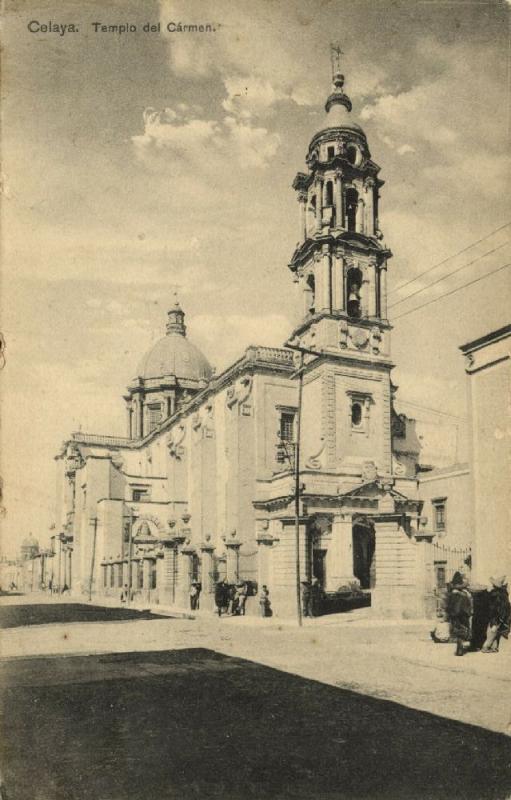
{"x":335,"y":57}
{"x":337,"y":97}
{"x":176,"y":316}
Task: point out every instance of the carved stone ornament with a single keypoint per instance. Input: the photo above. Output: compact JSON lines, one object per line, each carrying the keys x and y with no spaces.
{"x":369,"y":471}
{"x":174,"y":441}
{"x":376,"y":339}
{"x":360,"y":338}
{"x":398,"y":468}
{"x":343,"y":333}
{"x":314,"y":462}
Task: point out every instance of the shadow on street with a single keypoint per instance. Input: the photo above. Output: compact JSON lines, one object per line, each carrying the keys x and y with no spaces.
{"x":44,"y":614}
{"x":197,"y":724}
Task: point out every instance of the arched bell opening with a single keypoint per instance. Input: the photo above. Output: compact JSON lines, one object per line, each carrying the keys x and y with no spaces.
{"x":351,"y":209}
{"x":311,"y":289}
{"x":353,"y":285}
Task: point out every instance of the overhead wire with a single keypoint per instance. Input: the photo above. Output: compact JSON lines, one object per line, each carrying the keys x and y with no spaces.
{"x":449,"y":258}
{"x":444,"y":277}
{"x":452,"y":291}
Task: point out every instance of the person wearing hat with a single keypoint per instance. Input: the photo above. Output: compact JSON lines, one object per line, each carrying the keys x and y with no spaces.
{"x":459,"y":611}
{"x":500,"y":615}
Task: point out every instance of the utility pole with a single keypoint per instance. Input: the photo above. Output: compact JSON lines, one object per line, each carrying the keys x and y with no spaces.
{"x":297,"y":492}
{"x":94,"y":521}
{"x":130,"y":548}
{"x":299,"y":373}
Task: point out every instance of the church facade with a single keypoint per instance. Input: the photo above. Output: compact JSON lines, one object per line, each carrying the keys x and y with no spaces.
{"x":292,"y":451}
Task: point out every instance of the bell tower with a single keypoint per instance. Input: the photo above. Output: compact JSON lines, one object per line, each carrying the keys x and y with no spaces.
{"x":340,"y":268}
{"x":340,"y":262}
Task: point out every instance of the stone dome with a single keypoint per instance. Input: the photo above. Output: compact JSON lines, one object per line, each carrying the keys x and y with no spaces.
{"x":337,"y":107}
{"x":30,"y":541}
{"x":174,"y":354}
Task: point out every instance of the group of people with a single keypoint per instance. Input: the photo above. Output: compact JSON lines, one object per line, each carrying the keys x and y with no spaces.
{"x":460,"y":621}
{"x":231,"y":598}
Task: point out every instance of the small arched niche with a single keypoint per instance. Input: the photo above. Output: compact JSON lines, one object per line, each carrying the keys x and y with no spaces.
{"x":310,"y":284}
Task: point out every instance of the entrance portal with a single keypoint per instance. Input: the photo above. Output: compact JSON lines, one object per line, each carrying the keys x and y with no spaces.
{"x":318,"y":566}
{"x":363,"y":553}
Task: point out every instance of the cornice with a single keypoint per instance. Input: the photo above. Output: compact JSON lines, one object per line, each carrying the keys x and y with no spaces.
{"x":353,"y":242}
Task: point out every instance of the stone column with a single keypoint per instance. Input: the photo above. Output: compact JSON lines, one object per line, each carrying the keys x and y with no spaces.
{"x":359,"y":223}
{"x":324,"y":302}
{"x":146,"y":573}
{"x":233,"y":553}
{"x":128,"y":419}
{"x":364,"y":292}
{"x":371,"y":305}
{"x":167,"y":589}
{"x":337,"y":283}
{"x":369,"y":204}
{"x":339,"y":567}
{"x":319,"y":204}
{"x":302,"y":202}
{"x":383,"y":291}
{"x":339,"y":217}
{"x":207,"y":595}
{"x":140,"y":416}
{"x":184,"y":555}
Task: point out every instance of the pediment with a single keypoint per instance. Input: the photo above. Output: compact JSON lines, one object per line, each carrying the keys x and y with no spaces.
{"x":374,"y":489}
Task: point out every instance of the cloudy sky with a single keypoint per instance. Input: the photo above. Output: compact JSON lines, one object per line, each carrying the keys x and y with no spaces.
{"x":135,"y":162}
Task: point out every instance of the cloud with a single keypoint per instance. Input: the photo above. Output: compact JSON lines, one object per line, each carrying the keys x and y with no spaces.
{"x":233,"y":333}
{"x":185,"y":141}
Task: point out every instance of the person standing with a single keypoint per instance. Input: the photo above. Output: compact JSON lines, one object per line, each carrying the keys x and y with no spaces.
{"x":264,"y":602}
{"x":221,"y":596}
{"x":316,"y":597}
{"x":241,"y":596}
{"x":306,"y":599}
{"x":500,"y":615}
{"x":459,"y":611}
{"x":194,"y":595}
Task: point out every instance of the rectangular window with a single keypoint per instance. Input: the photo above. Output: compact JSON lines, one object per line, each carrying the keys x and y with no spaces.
{"x":440,"y":576}
{"x":330,"y":152}
{"x":153,"y":574}
{"x":287,"y":426}
{"x":439,"y":513}
{"x":141,"y":495}
{"x":153,"y":416}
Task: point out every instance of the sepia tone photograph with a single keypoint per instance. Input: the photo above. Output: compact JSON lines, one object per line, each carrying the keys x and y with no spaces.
{"x":255,"y":377}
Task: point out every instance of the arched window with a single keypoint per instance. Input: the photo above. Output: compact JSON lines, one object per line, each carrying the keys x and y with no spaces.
{"x":353,"y":284}
{"x":352,"y":153}
{"x":351,"y":209}
{"x":329,"y":193}
{"x":356,"y":414}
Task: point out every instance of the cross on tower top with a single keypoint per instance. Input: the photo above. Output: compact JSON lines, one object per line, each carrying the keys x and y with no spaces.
{"x":335,"y":57}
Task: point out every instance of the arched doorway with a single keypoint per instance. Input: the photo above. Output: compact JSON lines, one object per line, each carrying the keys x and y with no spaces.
{"x":364,"y":567}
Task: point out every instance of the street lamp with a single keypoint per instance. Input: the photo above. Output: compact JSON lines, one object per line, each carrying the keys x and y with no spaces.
{"x":297,"y":488}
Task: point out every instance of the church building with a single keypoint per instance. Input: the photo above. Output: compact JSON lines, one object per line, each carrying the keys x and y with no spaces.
{"x":218,"y":474}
